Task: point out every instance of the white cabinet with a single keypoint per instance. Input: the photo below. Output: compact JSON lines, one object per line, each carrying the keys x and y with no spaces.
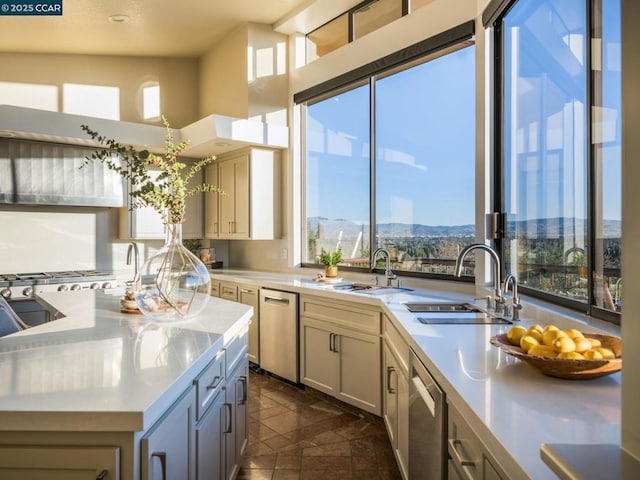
{"x":340,"y":351}
{"x":248,"y":295}
{"x":395,"y":410}
{"x":250,"y":207}
{"x":167,"y":448}
{"x":146,"y":224}
{"x":59,"y":463}
{"x":469,"y":459}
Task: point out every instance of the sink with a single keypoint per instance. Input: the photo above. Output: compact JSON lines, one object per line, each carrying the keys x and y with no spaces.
{"x":441,"y":307}
{"x":454,"y":313}
{"x":370,"y":289}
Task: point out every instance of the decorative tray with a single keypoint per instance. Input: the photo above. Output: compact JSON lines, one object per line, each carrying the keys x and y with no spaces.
{"x":568,"y":368}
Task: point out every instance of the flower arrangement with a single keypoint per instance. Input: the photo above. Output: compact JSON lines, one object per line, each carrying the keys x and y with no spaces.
{"x":167,"y":192}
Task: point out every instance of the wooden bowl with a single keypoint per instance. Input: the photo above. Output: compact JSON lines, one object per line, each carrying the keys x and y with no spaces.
{"x":568,"y":368}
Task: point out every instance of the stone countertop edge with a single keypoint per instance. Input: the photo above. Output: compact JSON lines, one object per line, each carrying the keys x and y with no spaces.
{"x":512,"y":407}
{"x":79,"y":373}
{"x":590,"y":461}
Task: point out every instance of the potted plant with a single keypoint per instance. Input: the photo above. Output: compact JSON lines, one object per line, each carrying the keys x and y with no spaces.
{"x":330,"y":261}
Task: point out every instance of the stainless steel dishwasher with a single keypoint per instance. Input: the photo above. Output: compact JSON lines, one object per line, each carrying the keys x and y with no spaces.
{"x":427,"y":425}
{"x":279,"y":333}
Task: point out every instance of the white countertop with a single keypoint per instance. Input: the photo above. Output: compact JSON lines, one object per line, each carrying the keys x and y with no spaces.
{"x":99,"y":369}
{"x":513,"y":407}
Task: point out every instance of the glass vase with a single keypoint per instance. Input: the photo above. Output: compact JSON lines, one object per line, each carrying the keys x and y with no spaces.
{"x":173,"y":284}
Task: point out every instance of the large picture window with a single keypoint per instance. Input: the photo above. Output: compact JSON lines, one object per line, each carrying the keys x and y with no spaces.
{"x":396,"y":152}
{"x":561,"y":150}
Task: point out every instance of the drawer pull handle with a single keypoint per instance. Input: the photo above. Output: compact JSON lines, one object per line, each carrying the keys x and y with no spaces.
{"x":243,"y":380}
{"x":163,"y":463}
{"x":331,"y":342}
{"x":390,"y":389}
{"x":335,"y":345}
{"x":214,"y":383}
{"x":455,"y":454}
{"x":102,"y":475}
{"x":229,"y":408}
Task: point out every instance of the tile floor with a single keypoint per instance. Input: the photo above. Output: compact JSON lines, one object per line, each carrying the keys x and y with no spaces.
{"x":303,"y":434}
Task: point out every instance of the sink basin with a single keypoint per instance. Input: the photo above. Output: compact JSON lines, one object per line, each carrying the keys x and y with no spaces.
{"x":441,"y":307}
{"x":370,"y":288}
{"x":454,"y":313}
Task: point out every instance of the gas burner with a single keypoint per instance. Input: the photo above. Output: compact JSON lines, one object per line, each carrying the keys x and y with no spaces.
{"x":32,"y":276}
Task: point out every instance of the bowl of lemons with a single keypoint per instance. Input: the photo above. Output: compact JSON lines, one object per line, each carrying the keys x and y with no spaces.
{"x":567,"y":353}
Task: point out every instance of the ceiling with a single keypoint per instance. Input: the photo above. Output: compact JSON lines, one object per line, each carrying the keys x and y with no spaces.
{"x":171,"y":28}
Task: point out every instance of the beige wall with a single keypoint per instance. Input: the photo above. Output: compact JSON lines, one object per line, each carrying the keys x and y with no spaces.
{"x":178,"y":79}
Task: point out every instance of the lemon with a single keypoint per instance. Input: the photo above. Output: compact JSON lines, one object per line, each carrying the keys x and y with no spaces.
{"x":549,"y":336}
{"x":537,"y":327}
{"x":549,"y":327}
{"x":592,"y":355}
{"x":527,"y":342}
{"x":573,"y":333}
{"x":515,"y":334}
{"x":564,"y":345}
{"x":571,"y":355}
{"x":535,"y":333}
{"x":582,"y":344}
{"x":606,"y":353}
{"x":595,"y":343}
{"x":542,"y":351}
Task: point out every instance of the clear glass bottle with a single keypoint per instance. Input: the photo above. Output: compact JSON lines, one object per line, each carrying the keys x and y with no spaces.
{"x":173,"y":285}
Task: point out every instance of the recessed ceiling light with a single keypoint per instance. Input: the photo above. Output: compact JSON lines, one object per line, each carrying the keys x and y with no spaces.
{"x":119,"y":18}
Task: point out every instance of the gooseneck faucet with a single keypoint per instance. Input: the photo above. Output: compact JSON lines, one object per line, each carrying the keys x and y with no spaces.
{"x":515,"y":300}
{"x":133,"y":249}
{"x":497,"y":291}
{"x":389,"y":275}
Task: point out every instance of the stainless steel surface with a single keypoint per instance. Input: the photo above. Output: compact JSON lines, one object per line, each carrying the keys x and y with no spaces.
{"x":10,"y":322}
{"x":52,"y":174}
{"x":19,"y":286}
{"x":441,"y":307}
{"x":279,"y":333}
{"x":370,"y":289}
{"x":516,"y":306}
{"x":471,"y":319}
{"x":388,"y":274}
{"x":427,"y":425}
{"x":497,"y":291}
{"x":132,"y":250}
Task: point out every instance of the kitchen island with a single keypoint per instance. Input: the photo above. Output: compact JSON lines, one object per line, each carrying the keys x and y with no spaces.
{"x":90,"y":394}
{"x":512,"y":408}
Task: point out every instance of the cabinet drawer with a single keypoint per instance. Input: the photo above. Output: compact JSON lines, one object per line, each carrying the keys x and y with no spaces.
{"x":345,"y":314}
{"x":215,"y":289}
{"x":209,"y":383}
{"x":229,"y":291}
{"x":236,"y":349}
{"x":397,"y":344}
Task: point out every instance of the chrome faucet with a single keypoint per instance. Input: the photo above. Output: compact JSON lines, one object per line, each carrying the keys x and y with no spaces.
{"x":516,"y":306}
{"x":498,"y":300}
{"x":133,"y":248}
{"x":389,"y":275}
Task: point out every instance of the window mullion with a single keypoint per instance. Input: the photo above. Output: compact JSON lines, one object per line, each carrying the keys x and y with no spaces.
{"x":372,"y":165}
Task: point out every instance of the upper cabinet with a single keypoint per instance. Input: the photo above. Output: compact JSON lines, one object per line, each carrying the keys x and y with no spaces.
{"x":251,"y":205}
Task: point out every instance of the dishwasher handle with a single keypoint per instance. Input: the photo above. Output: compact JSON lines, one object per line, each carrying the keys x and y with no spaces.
{"x":423,"y":391}
{"x":276,"y":300}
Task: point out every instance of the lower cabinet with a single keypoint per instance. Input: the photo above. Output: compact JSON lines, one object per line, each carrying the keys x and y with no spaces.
{"x":59,"y":463}
{"x":209,"y":441}
{"x":167,"y":448}
{"x":236,"y":426}
{"x":339,"y":361}
{"x":395,"y":410}
{"x":249,"y":296}
{"x":469,"y":459}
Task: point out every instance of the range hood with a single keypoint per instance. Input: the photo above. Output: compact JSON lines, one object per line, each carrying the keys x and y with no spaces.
{"x":212,"y":135}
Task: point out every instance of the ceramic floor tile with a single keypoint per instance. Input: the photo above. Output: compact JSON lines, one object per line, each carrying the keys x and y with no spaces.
{"x":302,"y":434}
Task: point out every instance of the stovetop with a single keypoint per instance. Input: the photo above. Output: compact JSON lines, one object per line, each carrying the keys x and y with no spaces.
{"x":54,"y":277}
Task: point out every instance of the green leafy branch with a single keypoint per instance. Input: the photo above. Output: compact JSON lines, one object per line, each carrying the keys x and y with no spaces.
{"x":330,"y":259}
{"x":166,"y":192}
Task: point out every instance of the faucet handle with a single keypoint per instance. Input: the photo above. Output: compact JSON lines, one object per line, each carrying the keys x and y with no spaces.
{"x":486,"y":298}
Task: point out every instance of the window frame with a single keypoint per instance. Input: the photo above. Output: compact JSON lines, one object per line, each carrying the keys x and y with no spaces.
{"x":493,"y":16}
{"x":454,"y":39}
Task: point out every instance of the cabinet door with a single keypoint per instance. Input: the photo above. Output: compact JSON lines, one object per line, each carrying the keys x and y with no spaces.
{"x":209,"y":446}
{"x":226,"y":202}
{"x":319,"y":361}
{"x":59,"y":463}
{"x":167,"y":448}
{"x":211,"y":223}
{"x":236,"y":434}
{"x":241,"y":220}
{"x":359,"y":369}
{"x":249,"y":296}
